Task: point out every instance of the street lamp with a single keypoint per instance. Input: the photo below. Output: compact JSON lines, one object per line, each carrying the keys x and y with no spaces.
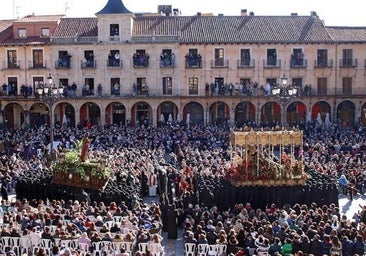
{"x":284,"y":93}
{"x":49,"y":95}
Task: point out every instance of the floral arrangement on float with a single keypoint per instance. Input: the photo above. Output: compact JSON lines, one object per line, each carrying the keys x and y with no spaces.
{"x":255,"y":164}
{"x":72,"y":169}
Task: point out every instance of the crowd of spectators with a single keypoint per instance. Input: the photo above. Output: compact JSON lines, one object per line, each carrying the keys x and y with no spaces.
{"x":178,"y":156}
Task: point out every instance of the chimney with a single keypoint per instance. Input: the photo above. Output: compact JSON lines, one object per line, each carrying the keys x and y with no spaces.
{"x":243,"y":12}
{"x":220,"y":14}
{"x":251,"y":14}
{"x":198,"y":13}
{"x":294,"y":14}
{"x":313,"y":14}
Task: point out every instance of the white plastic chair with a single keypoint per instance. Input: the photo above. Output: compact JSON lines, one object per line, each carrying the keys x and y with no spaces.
{"x":47,"y":244}
{"x":84,"y":248}
{"x":25,"y":244}
{"x":15,"y":243}
{"x":6,"y":241}
{"x":156,"y":249}
{"x":128,"y":246}
{"x":143,"y":247}
{"x":189,"y":249}
{"x":212,"y":250}
{"x":98,"y":247}
{"x":221,"y":249}
{"x":202,"y":249}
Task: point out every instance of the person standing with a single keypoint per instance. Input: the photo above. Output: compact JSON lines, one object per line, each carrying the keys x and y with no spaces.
{"x":153,"y":182}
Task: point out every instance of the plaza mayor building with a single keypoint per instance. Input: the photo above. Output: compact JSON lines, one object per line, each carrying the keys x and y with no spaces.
{"x":122,"y":67}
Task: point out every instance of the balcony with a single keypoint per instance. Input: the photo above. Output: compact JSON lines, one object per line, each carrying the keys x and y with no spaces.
{"x":37,"y":65}
{"x":323,"y":63}
{"x":167,"y":61}
{"x":271,"y":63}
{"x":62,"y":64}
{"x":348,"y":63}
{"x":113,"y":63}
{"x":140,"y":61}
{"x":114,"y":38}
{"x":11,"y":65}
{"x":219,"y":63}
{"x":85,"y":64}
{"x":298,"y":63}
{"x":245,"y":63}
{"x":193,"y":61}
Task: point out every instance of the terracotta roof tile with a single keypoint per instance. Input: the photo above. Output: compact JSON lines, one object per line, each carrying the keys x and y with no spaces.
{"x":221,"y":29}
{"x":77,"y":27}
{"x":6,"y":29}
{"x":347,"y":34}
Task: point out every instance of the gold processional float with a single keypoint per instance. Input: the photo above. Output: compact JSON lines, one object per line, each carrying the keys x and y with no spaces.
{"x":266,"y":158}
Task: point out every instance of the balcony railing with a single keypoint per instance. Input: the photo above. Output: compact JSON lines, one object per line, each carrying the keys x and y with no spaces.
{"x":11,"y":65}
{"x":114,"y":63}
{"x":271,"y":63}
{"x":141,"y":62}
{"x":34,"y":65}
{"x":114,"y":38}
{"x":62,"y":64}
{"x":323,"y":63}
{"x":219,"y":63}
{"x":167,"y":62}
{"x":348,"y":63}
{"x":245,"y":63}
{"x":301,"y":63}
{"x":249,"y":93}
{"x":193,"y":61}
{"x":88,"y":64}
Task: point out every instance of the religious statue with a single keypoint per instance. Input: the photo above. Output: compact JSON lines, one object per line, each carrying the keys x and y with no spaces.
{"x":84,"y":154}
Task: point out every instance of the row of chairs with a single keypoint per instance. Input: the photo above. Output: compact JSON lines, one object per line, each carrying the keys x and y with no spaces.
{"x":191,"y":249}
{"x":22,"y":245}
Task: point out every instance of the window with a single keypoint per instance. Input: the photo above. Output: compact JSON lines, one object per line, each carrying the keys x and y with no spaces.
{"x":140,"y":59}
{"x":88,"y":88}
{"x":193,"y":58}
{"x":244,"y":57}
{"x":322,"y":58}
{"x":347,"y":58}
{"x":347,"y":85}
{"x":38,"y":58}
{"x":141,"y":86}
{"x":88,"y":60}
{"x":114,"y":59}
{"x":45,"y":32}
{"x":193,"y":85}
{"x":297,"y":58}
{"x":322,"y":86}
{"x":64,"y":59}
{"x":12,"y":59}
{"x":297,"y":81}
{"x":271,"y":57}
{"x":167,"y":86}
{"x":219,"y":57}
{"x":114,"y":30}
{"x":167,"y":58}
{"x":115,"y":86}
{"x":22,"y":32}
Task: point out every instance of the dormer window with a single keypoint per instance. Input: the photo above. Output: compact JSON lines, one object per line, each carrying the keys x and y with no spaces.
{"x":22,"y":32}
{"x":114,"y":32}
{"x":45,"y":32}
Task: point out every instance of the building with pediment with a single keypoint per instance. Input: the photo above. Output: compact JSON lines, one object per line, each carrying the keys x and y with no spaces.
{"x":120,"y":67}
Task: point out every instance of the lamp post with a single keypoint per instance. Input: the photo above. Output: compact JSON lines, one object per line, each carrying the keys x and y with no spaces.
{"x":284,"y":93}
{"x":49,"y":95}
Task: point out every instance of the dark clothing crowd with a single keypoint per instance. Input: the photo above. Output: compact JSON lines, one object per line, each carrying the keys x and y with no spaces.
{"x":186,"y":164}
